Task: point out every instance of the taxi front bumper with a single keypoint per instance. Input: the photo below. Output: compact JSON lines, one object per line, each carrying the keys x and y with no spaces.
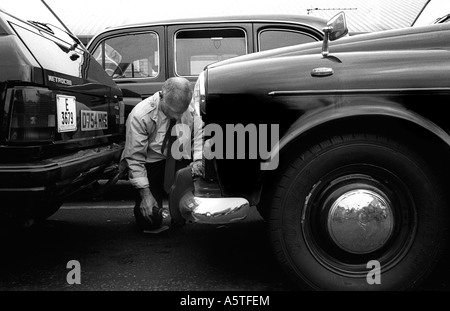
{"x":185,"y":206}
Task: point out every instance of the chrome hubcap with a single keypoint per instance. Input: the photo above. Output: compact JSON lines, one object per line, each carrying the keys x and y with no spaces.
{"x":360,"y":221}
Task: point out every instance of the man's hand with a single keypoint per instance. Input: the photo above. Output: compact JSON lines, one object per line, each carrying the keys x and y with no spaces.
{"x":147,"y":203}
{"x":197,"y":168}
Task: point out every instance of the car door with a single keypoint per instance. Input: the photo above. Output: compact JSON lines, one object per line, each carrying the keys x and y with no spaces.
{"x":275,"y":35}
{"x":193,"y":46}
{"x":134,"y":58}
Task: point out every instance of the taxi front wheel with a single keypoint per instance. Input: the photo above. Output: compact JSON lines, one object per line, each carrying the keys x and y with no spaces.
{"x":358,"y":212}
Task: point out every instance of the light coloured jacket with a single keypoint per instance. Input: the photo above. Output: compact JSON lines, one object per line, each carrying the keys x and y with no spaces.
{"x":142,"y":136}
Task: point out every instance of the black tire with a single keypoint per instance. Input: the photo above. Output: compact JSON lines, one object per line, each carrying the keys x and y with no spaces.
{"x":320,"y":234}
{"x":44,"y":210}
{"x":24,"y":214}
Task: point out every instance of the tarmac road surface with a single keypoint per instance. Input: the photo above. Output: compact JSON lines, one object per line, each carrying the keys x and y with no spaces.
{"x":100,"y":235}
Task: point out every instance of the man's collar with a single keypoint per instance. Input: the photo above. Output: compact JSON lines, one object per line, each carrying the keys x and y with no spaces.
{"x":159,"y":112}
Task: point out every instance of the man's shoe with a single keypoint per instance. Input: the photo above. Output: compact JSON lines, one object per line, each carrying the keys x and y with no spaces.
{"x":145,"y":224}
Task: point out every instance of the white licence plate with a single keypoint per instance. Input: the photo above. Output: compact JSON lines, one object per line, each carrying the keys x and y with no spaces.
{"x":66,"y":109}
{"x":94,"y":120}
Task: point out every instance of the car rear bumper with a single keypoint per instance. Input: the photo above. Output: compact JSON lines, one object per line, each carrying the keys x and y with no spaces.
{"x":57,"y":175}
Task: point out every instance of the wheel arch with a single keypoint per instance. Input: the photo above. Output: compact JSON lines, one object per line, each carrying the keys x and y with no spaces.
{"x":391,"y":121}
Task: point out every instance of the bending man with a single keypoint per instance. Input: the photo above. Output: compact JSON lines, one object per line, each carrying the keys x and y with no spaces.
{"x":147,"y":147}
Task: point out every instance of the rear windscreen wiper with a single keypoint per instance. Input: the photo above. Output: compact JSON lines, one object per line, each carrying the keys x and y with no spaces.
{"x":42,"y":26}
{"x":441,"y":19}
{"x":76,"y":40}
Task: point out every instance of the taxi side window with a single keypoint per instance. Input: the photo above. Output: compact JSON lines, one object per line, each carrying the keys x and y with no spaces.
{"x":194,"y":49}
{"x":276,"y":38}
{"x":130,"y":56}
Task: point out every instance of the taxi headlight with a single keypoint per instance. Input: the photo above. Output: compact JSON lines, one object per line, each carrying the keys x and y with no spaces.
{"x":199,"y":96}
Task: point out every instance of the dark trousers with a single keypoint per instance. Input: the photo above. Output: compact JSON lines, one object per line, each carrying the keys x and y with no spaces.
{"x":155,"y":175}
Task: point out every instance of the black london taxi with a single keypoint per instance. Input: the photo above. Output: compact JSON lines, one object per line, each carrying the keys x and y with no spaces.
{"x":141,"y":57}
{"x":62,"y":116}
{"x":354,"y":186}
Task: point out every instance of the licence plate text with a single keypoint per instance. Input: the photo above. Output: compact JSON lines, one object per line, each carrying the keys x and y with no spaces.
{"x":94,"y":120}
{"x":66,"y":113}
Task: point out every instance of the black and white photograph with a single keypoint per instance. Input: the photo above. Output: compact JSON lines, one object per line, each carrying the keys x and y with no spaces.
{"x":224,"y":154}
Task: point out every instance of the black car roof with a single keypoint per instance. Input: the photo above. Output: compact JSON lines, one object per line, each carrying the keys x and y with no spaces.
{"x":313,"y":21}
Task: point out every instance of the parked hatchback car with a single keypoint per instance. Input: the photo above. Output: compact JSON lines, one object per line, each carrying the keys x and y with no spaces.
{"x":62,"y":120}
{"x":354,"y":186}
{"x":141,"y":57}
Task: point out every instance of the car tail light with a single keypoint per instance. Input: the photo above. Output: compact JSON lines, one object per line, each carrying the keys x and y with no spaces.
{"x":33,"y":115}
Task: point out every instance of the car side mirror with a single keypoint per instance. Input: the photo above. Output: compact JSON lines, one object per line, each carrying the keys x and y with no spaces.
{"x":336,"y":29}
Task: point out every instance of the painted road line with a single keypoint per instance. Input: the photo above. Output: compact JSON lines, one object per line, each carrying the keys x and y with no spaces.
{"x":102,"y":205}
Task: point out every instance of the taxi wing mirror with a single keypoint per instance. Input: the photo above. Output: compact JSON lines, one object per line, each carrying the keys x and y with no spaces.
{"x":336,"y":28}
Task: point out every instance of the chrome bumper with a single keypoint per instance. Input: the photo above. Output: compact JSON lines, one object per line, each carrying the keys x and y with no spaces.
{"x":185,"y":206}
